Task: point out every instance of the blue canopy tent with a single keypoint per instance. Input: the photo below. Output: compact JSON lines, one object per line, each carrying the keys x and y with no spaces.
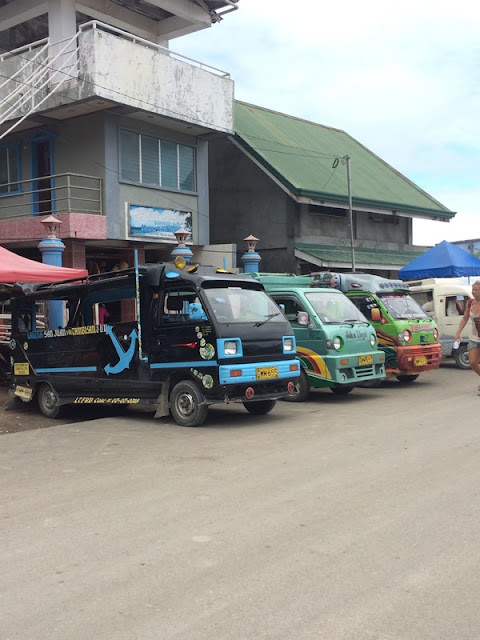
{"x":444,"y":260}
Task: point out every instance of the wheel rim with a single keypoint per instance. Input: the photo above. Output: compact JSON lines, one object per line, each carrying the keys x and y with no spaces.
{"x":49,"y":399}
{"x":464,"y":359}
{"x":185,"y":404}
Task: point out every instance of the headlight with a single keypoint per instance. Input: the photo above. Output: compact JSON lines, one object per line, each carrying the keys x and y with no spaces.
{"x":436,"y":335}
{"x":230,"y":348}
{"x":288,"y":344}
{"x":337,"y":343}
{"x":405,"y":335}
{"x":373,"y":339}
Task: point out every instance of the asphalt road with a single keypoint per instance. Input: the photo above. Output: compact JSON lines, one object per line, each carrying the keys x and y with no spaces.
{"x":342,"y":518}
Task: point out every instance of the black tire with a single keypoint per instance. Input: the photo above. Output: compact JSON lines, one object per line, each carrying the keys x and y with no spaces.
{"x":461,"y":357}
{"x":406,"y":379}
{"x":302,"y":389}
{"x":259,"y":407}
{"x":342,"y":389}
{"x":48,"y":401}
{"x":186,"y":404}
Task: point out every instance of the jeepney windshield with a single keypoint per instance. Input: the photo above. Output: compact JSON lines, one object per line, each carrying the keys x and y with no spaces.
{"x":402,"y":307}
{"x":235,"y":304}
{"x":333,"y":308}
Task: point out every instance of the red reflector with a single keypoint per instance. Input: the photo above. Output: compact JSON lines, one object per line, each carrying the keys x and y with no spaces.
{"x":249,"y":393}
{"x":290,"y":387}
{"x":294,"y":367}
{"x":235,"y":373}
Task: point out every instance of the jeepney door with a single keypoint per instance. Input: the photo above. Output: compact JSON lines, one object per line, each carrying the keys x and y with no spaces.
{"x":181,"y":332}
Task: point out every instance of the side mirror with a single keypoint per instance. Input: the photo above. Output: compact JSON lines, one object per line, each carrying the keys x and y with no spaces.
{"x":376,"y":315}
{"x":302,"y":318}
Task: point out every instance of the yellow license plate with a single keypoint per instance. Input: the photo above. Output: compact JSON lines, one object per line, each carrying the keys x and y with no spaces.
{"x":23,"y":392}
{"x":267,"y":373}
{"x":21,"y":368}
{"x":365,"y":359}
{"x":420,"y":361}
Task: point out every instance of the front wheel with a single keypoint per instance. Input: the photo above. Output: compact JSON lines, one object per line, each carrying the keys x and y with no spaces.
{"x":186,"y":404}
{"x":302,"y":389}
{"x":342,"y":389}
{"x":461,"y":357}
{"x":260,"y":407}
{"x":407,"y":379}
{"x":48,"y":401}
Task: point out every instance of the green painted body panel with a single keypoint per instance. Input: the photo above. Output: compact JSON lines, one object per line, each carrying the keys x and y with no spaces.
{"x":325,"y":366}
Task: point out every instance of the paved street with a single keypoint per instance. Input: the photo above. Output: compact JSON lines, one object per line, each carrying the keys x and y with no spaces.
{"x":342,"y":518}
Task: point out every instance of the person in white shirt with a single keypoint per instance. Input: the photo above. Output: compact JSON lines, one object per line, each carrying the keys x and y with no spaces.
{"x":428,"y":306}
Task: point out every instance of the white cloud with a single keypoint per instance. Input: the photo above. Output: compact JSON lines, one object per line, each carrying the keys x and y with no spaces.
{"x":402,"y":78}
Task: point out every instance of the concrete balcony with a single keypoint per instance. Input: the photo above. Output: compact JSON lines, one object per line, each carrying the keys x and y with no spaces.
{"x":103,"y":67}
{"x":75,"y":199}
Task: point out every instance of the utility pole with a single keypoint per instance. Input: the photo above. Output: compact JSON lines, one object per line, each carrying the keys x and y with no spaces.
{"x":350,"y":211}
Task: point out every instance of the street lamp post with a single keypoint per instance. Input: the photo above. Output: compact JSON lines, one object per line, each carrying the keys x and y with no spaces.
{"x":350,"y":211}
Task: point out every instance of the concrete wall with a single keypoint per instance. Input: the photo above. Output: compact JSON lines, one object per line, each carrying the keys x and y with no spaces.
{"x":244,"y":201}
{"x":118,"y":194}
{"x":332,"y":226}
{"x":80,"y":146}
{"x":129,"y":73}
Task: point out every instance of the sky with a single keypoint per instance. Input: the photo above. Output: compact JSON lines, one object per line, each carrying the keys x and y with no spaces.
{"x":402,"y":78}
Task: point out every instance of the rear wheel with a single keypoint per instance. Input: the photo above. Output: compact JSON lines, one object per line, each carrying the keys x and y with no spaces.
{"x":461,"y":357}
{"x":186,"y":404}
{"x":48,"y":401}
{"x":260,"y":407}
{"x":407,"y":379}
{"x":302,"y":389}
{"x":342,"y":389}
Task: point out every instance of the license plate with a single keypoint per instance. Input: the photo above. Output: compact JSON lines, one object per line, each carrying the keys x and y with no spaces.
{"x":420,"y":361}
{"x":365,"y":359}
{"x":267,"y":373}
{"x":23,"y":392}
{"x":21,"y":368}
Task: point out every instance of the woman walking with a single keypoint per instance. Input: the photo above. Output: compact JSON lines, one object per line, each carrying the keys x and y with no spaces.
{"x":472,"y":312}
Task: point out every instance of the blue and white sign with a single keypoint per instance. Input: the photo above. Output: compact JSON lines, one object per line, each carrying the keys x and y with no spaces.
{"x":152,"y":222}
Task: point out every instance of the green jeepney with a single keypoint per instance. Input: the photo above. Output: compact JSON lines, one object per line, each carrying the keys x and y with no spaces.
{"x":336,"y":345}
{"x":406,"y":334}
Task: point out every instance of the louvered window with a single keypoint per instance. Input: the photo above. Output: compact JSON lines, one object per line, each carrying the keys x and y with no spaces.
{"x":154,"y":162}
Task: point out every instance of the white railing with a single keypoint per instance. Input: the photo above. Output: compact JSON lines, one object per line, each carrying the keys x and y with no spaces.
{"x":95,"y":24}
{"x":54,"y":194}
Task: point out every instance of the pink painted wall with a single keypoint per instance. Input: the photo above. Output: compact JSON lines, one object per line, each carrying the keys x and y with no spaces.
{"x":74,"y":225}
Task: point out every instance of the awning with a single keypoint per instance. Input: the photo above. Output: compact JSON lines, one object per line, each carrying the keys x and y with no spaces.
{"x":15,"y":268}
{"x":340,"y":257}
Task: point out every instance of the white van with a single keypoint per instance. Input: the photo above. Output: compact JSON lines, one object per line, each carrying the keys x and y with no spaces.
{"x":449,"y":297}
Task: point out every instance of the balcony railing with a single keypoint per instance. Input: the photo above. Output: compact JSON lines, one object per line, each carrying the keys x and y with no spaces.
{"x":93,"y":63}
{"x":53,"y":194}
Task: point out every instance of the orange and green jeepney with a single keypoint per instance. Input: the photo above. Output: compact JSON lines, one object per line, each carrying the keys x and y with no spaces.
{"x":406,"y":334}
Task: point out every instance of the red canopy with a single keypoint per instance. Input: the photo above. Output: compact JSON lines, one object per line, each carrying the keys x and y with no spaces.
{"x":15,"y":268}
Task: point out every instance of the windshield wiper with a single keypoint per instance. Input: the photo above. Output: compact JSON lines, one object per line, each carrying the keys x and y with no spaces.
{"x":267,"y":318}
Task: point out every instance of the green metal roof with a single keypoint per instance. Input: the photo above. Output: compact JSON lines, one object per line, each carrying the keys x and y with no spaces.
{"x":335,"y":254}
{"x":301,"y":153}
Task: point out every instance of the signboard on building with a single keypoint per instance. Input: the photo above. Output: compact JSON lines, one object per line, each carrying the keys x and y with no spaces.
{"x":153,"y":222}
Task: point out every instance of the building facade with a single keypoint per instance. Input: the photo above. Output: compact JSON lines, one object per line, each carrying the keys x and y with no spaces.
{"x":314,"y":196}
{"x":105,"y":127}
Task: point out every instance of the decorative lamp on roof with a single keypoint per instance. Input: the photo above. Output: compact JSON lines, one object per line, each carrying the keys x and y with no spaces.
{"x":181,"y":249}
{"x":51,"y":226}
{"x":251,"y":259}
